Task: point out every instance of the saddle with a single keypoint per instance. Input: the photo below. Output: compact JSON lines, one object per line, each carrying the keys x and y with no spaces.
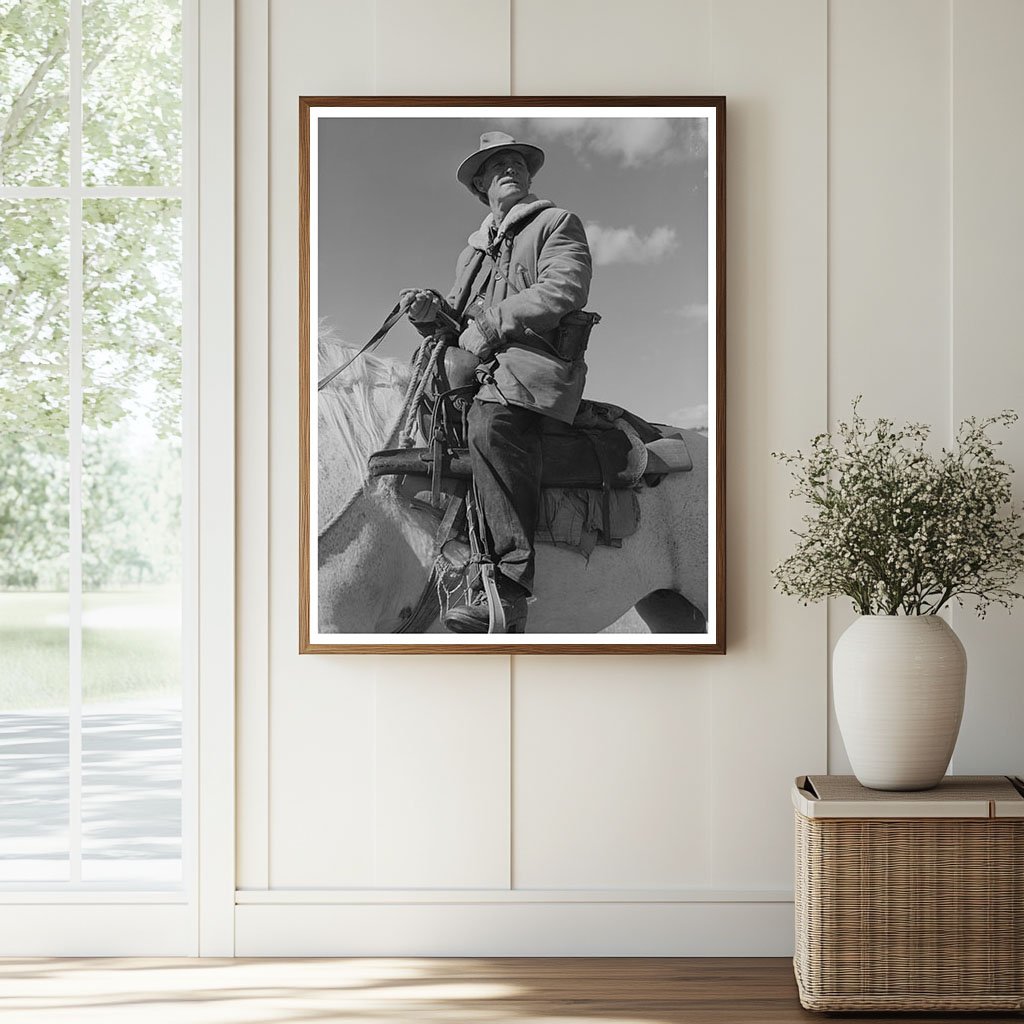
{"x":606,"y":448}
{"x":604,"y":451}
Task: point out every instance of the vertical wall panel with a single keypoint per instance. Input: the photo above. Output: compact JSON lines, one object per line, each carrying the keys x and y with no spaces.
{"x":612,"y":783}
{"x":441,"y":48}
{"x":611,"y":756}
{"x":889,"y":325}
{"x":988,"y":325}
{"x":442,"y":771}
{"x":888,"y":209}
{"x":321,"y":709}
{"x":326,"y":733}
{"x":576,"y":47}
{"x":323,"y":781}
{"x":769,"y":692}
{"x":442,"y":800}
{"x":252,"y":186}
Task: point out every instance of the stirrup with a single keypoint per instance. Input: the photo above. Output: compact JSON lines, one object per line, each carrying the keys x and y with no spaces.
{"x":495,"y":609}
{"x":507,"y":615}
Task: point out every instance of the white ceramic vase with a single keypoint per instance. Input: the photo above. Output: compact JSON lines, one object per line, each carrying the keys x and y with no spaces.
{"x":898,"y":684}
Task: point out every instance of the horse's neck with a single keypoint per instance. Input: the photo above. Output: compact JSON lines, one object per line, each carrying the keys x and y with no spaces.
{"x":377,"y":505}
{"x":417,"y":526}
{"x":375,"y":561}
{"x":353,"y":423}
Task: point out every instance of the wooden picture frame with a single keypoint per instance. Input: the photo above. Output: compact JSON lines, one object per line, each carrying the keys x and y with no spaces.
{"x":380,"y":209}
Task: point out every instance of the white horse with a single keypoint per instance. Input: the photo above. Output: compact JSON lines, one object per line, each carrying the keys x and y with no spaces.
{"x":376,"y":552}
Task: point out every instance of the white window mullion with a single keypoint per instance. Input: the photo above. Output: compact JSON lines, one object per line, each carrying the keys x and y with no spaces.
{"x":34,"y":192}
{"x":75,"y":299}
{"x":190,"y":454}
{"x":95,"y":191}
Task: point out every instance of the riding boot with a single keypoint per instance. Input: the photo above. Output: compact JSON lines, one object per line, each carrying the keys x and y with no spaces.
{"x":474,"y":616}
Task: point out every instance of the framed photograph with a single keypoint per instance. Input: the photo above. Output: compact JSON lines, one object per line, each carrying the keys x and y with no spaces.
{"x":512,"y":376}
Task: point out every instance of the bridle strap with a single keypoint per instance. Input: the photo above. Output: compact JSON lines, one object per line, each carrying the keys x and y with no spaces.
{"x":392,"y":318}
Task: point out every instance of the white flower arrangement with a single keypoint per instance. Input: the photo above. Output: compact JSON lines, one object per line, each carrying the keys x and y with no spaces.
{"x":900,"y":530}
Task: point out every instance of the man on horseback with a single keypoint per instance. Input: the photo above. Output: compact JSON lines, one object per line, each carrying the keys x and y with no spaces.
{"x":524,"y":272}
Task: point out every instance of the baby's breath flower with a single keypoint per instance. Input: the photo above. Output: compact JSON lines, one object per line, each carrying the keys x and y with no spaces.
{"x":900,"y":530}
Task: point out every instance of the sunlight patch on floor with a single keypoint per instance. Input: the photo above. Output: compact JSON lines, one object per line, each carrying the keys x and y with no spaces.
{"x":222,"y":991}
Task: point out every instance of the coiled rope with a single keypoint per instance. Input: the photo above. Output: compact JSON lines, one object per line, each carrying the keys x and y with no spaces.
{"x":426,"y":361}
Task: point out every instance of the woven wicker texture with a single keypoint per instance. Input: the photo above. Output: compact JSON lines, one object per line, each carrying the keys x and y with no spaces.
{"x":913,"y":914}
{"x":960,"y":787}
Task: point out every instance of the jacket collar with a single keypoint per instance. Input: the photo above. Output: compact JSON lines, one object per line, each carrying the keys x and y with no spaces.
{"x":519,"y":214}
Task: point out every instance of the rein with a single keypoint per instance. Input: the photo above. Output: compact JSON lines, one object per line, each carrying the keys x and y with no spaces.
{"x":390,"y":320}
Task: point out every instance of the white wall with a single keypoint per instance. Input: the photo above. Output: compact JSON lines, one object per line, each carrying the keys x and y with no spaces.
{"x":626,"y":805}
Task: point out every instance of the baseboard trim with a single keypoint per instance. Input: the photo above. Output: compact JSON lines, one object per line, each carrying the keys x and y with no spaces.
{"x":515,"y":928}
{"x":348,"y":897}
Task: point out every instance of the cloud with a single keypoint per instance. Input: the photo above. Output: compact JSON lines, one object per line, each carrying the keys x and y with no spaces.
{"x":690,"y":417}
{"x":630,"y":141}
{"x":626,"y":245}
{"x":693,"y":311}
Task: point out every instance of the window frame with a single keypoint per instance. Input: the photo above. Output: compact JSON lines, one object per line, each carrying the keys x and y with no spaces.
{"x":197,"y":918}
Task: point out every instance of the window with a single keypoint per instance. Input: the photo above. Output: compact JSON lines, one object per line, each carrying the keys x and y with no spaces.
{"x":95,"y":464}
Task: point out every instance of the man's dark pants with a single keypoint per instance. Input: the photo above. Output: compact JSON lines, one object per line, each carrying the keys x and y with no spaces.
{"x":505,"y":454}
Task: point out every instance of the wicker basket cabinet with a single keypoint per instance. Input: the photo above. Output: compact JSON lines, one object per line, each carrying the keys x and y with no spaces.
{"x":910,"y":901}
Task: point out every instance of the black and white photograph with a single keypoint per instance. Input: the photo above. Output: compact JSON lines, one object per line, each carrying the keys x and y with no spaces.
{"x":511,"y":375}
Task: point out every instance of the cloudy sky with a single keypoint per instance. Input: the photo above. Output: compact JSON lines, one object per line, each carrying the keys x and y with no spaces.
{"x":392,"y":215}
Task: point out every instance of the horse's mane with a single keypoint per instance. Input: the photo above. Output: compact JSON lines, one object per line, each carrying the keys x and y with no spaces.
{"x":357,"y":413}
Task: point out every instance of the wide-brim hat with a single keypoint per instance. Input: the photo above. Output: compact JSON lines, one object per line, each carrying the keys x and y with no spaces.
{"x":490,"y":143}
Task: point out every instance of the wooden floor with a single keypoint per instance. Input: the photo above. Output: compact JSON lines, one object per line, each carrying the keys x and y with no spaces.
{"x":413,"y":991}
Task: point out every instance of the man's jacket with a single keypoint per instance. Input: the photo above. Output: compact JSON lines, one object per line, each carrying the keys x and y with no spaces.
{"x":536,"y":268}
